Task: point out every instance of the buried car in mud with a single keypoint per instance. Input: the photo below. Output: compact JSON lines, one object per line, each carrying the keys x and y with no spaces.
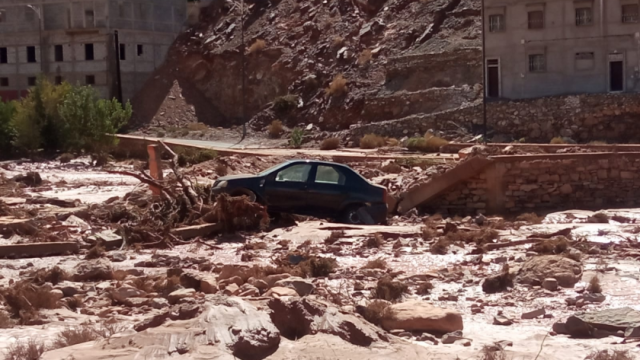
{"x":313,"y":188}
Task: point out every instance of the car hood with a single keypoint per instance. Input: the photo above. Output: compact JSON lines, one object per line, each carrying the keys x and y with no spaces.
{"x":236,"y":177}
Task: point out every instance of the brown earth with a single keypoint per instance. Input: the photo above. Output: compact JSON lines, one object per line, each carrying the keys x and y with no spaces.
{"x":391,"y":53}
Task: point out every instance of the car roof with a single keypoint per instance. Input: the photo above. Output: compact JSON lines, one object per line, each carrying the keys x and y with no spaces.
{"x":318,"y":162}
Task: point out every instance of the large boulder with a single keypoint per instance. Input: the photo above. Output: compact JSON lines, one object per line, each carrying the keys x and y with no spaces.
{"x":93,"y":270}
{"x":421,"y":316}
{"x":299,"y":317}
{"x":611,"y":320}
{"x":229,"y":328}
{"x":566,"y":271}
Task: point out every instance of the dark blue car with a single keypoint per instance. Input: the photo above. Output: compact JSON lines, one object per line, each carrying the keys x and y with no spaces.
{"x":314,"y":188}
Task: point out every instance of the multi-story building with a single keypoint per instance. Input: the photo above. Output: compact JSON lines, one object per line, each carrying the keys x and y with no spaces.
{"x":74,"y":41}
{"x":555,"y":47}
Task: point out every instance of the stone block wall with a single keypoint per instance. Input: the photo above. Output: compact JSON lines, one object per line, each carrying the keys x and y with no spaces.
{"x":541,"y":183}
{"x":594,"y":117}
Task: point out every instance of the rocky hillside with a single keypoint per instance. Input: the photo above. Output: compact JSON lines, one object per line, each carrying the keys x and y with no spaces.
{"x":333,"y":63}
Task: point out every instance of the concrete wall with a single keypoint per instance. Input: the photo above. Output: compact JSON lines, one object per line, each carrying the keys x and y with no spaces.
{"x":559,"y":41}
{"x":150,"y":24}
{"x":540,"y":183}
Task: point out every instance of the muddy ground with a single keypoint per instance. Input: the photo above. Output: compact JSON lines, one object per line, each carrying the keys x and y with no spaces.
{"x":276,"y":293}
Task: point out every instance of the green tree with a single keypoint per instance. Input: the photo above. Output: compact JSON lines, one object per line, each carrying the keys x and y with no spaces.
{"x":90,"y":120}
{"x":37,"y":121}
{"x":7,"y":130}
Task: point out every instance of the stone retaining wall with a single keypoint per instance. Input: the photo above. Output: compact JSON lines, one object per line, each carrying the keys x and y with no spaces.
{"x":525,"y":183}
{"x":612,"y":118}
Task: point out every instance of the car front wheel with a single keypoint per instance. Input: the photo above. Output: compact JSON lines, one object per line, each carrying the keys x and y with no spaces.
{"x":350,"y":215}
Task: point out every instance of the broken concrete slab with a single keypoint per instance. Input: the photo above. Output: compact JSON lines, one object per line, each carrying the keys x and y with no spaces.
{"x":191,"y":232}
{"x":11,"y":225}
{"x":38,"y":250}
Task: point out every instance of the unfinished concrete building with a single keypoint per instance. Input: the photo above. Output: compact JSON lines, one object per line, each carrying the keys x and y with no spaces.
{"x":556,"y":47}
{"x":73,"y":41}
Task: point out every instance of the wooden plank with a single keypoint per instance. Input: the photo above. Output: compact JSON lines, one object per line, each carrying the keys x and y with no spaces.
{"x":38,"y":249}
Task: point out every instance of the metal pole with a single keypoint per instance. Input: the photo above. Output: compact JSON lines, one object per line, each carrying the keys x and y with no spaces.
{"x":484,"y":78}
{"x":116,"y":40}
{"x":244,"y":123}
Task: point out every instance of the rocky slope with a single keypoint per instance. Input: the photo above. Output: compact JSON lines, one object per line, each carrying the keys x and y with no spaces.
{"x":398,"y":58}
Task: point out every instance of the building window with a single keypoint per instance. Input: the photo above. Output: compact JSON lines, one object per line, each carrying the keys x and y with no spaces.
{"x":31,"y":81}
{"x":90,"y":80}
{"x":4,"y":82}
{"x":140,"y":50}
{"x":630,"y":13}
{"x":121,"y":11}
{"x":3,"y":16}
{"x":88,"y":51}
{"x":31,"y":54}
{"x":143,"y":11}
{"x":585,"y":60}
{"x":89,"y":18}
{"x":537,"y":63}
{"x":496,"y":23}
{"x":29,"y":14}
{"x":536,"y":19}
{"x":58,"y":80}
{"x":584,"y":16}
{"x":4,"y":58}
{"x":123,"y":52}
{"x":59,"y":53}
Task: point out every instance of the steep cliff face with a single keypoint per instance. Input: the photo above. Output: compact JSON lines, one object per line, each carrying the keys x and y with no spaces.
{"x":298,"y":48}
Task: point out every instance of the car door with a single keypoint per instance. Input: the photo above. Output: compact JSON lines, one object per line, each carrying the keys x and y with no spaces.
{"x":286,"y":190}
{"x":328,"y":190}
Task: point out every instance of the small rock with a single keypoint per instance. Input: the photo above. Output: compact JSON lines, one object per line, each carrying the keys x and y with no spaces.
{"x":231,"y":289}
{"x":232,"y":280}
{"x":480,"y":219}
{"x":248,"y":290}
{"x":302,"y":286}
{"x":272,"y":279}
{"x":502,"y":320}
{"x":159,"y":303}
{"x":56,"y":294}
{"x":594,"y":298}
{"x":463,"y":342}
{"x":421,"y":316}
{"x":428,"y":338}
{"x":118,"y":257}
{"x":278,"y":292}
{"x":533,"y":314}
{"x":260,"y":284}
{"x":123,"y":293}
{"x":405,"y":334}
{"x":178,"y":295}
{"x":550,"y":284}
{"x":358,"y":286}
{"x":503,"y":344}
{"x":452,"y":337}
{"x":559,"y":328}
{"x":571,"y":301}
{"x":208,"y":284}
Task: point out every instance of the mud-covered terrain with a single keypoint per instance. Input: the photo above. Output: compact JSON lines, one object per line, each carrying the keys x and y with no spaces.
{"x":181,"y":275}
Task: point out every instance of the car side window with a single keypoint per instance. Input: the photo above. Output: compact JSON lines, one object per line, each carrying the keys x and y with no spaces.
{"x":295,"y":173}
{"x":329,"y":175}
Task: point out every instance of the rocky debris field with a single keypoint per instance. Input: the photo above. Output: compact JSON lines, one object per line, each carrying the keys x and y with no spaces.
{"x":186,"y":276}
{"x":321,"y":66}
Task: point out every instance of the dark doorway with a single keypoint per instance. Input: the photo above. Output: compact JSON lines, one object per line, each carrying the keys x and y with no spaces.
{"x":493,"y":79}
{"x":616,"y":76}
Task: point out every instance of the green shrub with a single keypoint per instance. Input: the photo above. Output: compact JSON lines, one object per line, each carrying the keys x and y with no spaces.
{"x":372,"y":141}
{"x":286,"y":103}
{"x":67,"y":118}
{"x":190,"y":156}
{"x":7,"y":130}
{"x":91,"y":120}
{"x":297,"y":135}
